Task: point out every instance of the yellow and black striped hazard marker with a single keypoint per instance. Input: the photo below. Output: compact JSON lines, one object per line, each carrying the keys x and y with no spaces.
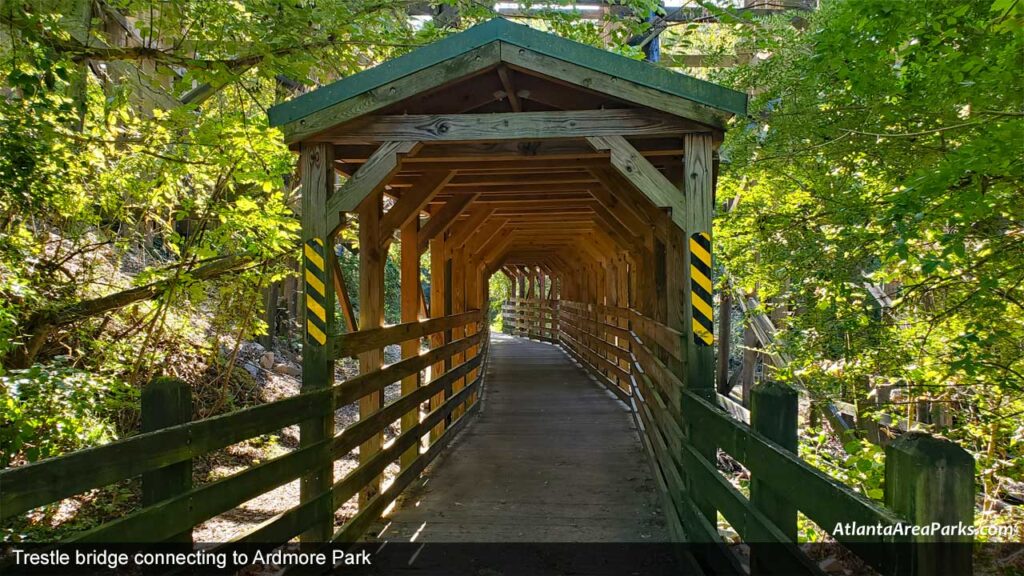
{"x":316,"y":291}
{"x":700,"y":288}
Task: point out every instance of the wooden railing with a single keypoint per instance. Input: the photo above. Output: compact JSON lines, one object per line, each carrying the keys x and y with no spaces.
{"x":531,"y":318}
{"x":175,"y":510}
{"x":927,"y":479}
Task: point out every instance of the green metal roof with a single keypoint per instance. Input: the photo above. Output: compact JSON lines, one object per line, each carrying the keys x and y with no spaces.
{"x":499,"y":29}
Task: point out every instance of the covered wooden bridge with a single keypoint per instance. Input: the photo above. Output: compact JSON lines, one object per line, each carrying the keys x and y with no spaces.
{"x":507,"y":150}
{"x":588,"y":179}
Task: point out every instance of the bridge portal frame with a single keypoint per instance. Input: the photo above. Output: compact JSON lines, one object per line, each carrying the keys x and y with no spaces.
{"x":551,"y":172}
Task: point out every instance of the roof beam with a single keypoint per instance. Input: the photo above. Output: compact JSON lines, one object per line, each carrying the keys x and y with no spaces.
{"x":463,"y":230}
{"x":615,"y":84}
{"x":511,"y":126}
{"x":443,"y":154}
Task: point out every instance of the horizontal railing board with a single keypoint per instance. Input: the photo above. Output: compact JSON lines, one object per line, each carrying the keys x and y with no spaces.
{"x":749,"y":522}
{"x":360,"y":341}
{"x":675,"y":525}
{"x":369,"y":425}
{"x":821,"y":498}
{"x":372,"y":468}
{"x":667,"y":424}
{"x":604,"y":362}
{"x":288,"y":524}
{"x":604,"y":380}
{"x":172,"y":516}
{"x":296,"y":520}
{"x":160,"y":521}
{"x":363,"y":384}
{"x":355,"y":527}
{"x":33,"y":485}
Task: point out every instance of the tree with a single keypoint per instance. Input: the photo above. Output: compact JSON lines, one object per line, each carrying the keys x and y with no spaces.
{"x":884,"y":146}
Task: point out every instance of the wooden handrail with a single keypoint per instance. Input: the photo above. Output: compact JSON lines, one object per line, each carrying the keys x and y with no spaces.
{"x":51,"y":480}
{"x":33,"y":485}
{"x":663,"y":408}
{"x":363,"y":340}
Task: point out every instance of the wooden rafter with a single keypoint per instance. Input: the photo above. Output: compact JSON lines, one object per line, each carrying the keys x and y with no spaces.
{"x":369,"y":178}
{"x":412,"y":203}
{"x":443,"y":219}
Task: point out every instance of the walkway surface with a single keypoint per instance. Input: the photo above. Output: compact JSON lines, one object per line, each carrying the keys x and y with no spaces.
{"x":551,"y":457}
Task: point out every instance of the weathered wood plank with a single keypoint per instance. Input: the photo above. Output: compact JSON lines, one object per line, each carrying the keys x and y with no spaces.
{"x":569,"y":471}
{"x":514,"y":126}
{"x":316,"y":170}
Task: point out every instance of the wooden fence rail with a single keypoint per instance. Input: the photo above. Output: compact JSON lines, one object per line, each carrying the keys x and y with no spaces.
{"x":531,"y":318}
{"x":637,"y":358}
{"x":175,"y":512}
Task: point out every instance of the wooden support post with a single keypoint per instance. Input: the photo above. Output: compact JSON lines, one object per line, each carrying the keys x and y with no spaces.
{"x":930,"y":480}
{"x":167,"y":402}
{"x":748,"y":365}
{"x":317,"y":174}
{"x":371,"y":315}
{"x":458,"y":306}
{"x":472,"y":302}
{"x":410,"y":279}
{"x":690,"y":296}
{"x":699,"y":211}
{"x":698,"y":322}
{"x":724,"y":332}
{"x":438,"y":291}
{"x":622,"y":301}
{"x":646,"y":290}
{"x":773,"y":413}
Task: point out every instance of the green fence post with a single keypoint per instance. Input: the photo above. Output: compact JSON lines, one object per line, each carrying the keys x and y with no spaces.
{"x":930,"y":482}
{"x":773,"y":413}
{"x":167,"y":402}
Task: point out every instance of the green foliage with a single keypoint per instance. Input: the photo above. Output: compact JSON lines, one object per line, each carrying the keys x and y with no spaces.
{"x":884,"y":146}
{"x":46,"y":411}
{"x":499,"y":289}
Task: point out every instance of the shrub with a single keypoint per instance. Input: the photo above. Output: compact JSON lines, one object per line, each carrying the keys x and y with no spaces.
{"x":46,"y":411}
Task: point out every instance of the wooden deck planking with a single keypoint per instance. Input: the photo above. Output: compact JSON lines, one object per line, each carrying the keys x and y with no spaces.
{"x":551,"y":457}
